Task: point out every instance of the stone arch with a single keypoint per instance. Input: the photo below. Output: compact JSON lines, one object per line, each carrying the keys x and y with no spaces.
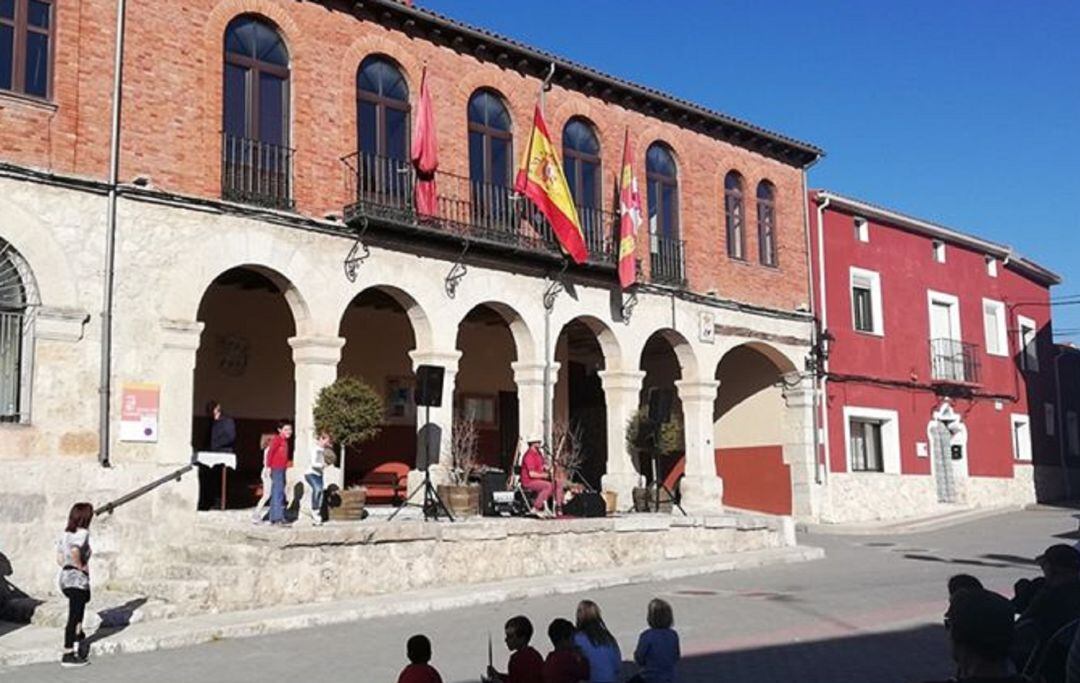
{"x":605,"y":337}
{"x":418,"y":317}
{"x":37,"y":247}
{"x":298,"y":306}
{"x":683,"y":349}
{"x":524,"y":340}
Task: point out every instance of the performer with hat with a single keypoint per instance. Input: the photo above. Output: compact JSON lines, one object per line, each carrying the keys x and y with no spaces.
{"x":536,"y":476}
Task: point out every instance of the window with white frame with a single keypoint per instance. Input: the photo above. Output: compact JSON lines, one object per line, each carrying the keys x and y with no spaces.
{"x":997,"y":337}
{"x":866,"y":310}
{"x":1021,"y":437}
{"x":1072,"y":432}
{"x":939,"y":251}
{"x":1048,"y":410}
{"x":873,"y":439}
{"x":1029,"y":352}
{"x":862,"y":229}
{"x":991,"y":266}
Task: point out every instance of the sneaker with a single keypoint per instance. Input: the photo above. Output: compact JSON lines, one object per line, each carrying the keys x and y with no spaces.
{"x":70,"y":660}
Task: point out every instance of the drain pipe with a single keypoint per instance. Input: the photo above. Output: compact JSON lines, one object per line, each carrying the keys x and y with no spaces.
{"x":822,"y":204}
{"x":105,"y":383}
{"x":1059,"y":415}
{"x":814,"y":331}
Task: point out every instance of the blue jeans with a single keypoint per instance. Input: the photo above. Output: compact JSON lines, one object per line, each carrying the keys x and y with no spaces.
{"x":277,"y":496}
{"x":315,"y":482}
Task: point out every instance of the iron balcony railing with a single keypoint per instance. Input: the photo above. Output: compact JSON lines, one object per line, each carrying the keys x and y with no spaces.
{"x":255,"y":172}
{"x":952,"y":360}
{"x":489,"y":213}
{"x":667,"y":261}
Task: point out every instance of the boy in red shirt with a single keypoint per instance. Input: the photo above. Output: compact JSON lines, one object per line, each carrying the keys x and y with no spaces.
{"x":526,"y":665}
{"x":564,"y":664}
{"x":418,"y":649}
{"x":277,"y":459}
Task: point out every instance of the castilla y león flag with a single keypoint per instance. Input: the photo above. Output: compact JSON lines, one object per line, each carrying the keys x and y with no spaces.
{"x":541,"y":179}
{"x":629,"y":217}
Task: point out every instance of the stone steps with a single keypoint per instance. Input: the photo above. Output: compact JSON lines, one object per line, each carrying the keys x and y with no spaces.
{"x":185,"y":594}
{"x":107,"y":609}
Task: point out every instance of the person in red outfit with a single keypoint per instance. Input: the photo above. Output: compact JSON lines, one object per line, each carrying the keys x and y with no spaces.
{"x":564,"y":664}
{"x":277,"y":459}
{"x":525,"y":665}
{"x":535,"y":476}
{"x":418,"y":650}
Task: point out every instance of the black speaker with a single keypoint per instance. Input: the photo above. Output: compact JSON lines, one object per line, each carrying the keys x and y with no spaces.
{"x":586,"y":505}
{"x":429,"y":379}
{"x":660,"y":402}
{"x":490,"y":482}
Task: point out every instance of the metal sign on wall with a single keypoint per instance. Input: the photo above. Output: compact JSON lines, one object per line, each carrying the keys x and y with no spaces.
{"x":706,"y":327}
{"x":139,"y":404}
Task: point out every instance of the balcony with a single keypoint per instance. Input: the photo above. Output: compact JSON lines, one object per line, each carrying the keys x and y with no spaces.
{"x":954,"y":362}
{"x":492,"y":216}
{"x":255,"y":172}
{"x":667,"y":261}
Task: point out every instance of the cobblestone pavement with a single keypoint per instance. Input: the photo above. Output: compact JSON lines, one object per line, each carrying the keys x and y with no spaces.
{"x":871,"y":611}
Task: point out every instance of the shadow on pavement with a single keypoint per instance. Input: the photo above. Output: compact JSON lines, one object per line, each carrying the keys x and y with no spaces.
{"x":114,"y":620}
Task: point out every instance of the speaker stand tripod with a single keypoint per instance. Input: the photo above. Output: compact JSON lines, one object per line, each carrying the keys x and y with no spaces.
{"x":657,"y":487}
{"x":432,"y":504}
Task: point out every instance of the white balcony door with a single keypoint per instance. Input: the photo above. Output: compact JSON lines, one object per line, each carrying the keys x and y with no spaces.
{"x":941,"y":321}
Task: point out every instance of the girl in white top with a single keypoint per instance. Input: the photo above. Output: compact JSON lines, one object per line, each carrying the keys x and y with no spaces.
{"x":73,"y":556}
{"x":313,"y":478}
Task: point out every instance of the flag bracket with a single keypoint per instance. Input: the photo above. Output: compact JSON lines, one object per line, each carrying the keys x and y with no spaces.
{"x":555,"y":287}
{"x":457,"y":272}
{"x":629,"y":301}
{"x":359,"y":252}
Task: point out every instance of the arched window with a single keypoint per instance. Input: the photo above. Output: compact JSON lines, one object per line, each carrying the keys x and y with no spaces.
{"x":257,"y":160}
{"x":733,"y":215}
{"x":490,"y":158}
{"x":382,"y":106}
{"x":15,"y":296}
{"x":665,"y":247}
{"x":581,"y":157}
{"x":766,"y":223}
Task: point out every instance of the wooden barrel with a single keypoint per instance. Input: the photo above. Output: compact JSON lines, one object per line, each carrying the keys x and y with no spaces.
{"x":462,"y":501}
{"x":351,"y":506}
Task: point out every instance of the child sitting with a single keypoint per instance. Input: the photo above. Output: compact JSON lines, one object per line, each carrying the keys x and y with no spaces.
{"x":564,"y":664}
{"x":525,"y":665}
{"x":658,"y":646}
{"x":418,"y":650}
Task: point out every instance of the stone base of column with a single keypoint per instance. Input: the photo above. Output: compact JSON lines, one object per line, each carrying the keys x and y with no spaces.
{"x":702,"y":494}
{"x":622,"y":483}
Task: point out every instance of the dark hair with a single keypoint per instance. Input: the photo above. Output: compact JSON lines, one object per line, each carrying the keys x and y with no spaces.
{"x":211,"y":405}
{"x":659,"y":614}
{"x":982,"y":622}
{"x":418,"y":649}
{"x":283,"y":423}
{"x":560,"y":630}
{"x":592,"y":624}
{"x":959,"y":582}
{"x":521,"y":626}
{"x":79,"y":517}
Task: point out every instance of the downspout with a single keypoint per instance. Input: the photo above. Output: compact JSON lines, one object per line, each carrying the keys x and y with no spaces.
{"x":105,"y":383}
{"x":822,"y":205}
{"x":814,"y":336}
{"x":1059,"y":416}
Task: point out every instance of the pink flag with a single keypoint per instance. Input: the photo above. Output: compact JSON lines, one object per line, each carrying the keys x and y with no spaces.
{"x":425,"y":152}
{"x":629,"y":216}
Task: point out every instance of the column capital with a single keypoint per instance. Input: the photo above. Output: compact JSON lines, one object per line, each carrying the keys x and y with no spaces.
{"x":624,"y":380}
{"x":798,"y":390}
{"x":183,"y":335}
{"x":444,"y":359}
{"x":532,"y":374}
{"x":697,"y":390}
{"x":315,"y":350}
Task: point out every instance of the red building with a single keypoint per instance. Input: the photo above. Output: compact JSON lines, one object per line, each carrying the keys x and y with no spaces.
{"x":937,"y":365}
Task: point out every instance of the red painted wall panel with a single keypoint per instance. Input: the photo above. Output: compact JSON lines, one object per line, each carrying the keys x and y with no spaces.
{"x":755,"y":478}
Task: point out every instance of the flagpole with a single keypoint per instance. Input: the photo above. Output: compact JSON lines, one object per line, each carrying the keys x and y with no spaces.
{"x":549,"y":304}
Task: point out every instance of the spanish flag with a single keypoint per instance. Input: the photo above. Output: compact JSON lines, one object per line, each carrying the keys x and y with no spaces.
{"x":541,"y":179}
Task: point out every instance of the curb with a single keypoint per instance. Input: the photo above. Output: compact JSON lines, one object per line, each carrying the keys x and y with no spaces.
{"x":907,"y":526}
{"x":185,"y":632}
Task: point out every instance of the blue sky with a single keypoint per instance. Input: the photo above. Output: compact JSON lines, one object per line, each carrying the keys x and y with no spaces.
{"x":964,"y":112}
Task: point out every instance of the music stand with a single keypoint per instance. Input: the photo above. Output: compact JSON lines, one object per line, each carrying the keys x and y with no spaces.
{"x":428,"y":393}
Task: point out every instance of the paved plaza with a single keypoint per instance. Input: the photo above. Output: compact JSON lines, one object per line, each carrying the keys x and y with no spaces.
{"x":871,"y":611}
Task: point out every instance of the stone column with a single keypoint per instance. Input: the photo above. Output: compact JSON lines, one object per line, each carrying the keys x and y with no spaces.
{"x":798,"y":445}
{"x":702,"y":489}
{"x":622,"y":394}
{"x":180,"y":342}
{"x":436,"y":432}
{"x":529,"y":378}
{"x":316,"y":360}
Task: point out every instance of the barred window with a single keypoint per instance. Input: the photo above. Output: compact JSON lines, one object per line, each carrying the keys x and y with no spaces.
{"x":15,"y":296}
{"x":27,"y":35}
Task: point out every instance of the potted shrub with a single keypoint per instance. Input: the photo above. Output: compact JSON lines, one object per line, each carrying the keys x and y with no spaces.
{"x":651,"y":441}
{"x":462,"y":495}
{"x":640,"y":441}
{"x":351,"y":412}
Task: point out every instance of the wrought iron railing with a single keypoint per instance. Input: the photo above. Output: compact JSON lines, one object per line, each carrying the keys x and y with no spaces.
{"x":952,"y":360}
{"x":667,"y":260}
{"x":490,"y":213}
{"x":255,"y":172}
{"x":111,"y":506}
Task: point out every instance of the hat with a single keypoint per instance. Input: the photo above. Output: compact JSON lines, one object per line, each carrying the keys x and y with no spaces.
{"x":981,"y":620}
{"x":534,"y":439}
{"x":1062,"y":556}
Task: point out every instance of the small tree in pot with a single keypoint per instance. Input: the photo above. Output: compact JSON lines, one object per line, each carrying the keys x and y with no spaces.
{"x":351,"y":412}
{"x":650,"y":441}
{"x":461,"y":496}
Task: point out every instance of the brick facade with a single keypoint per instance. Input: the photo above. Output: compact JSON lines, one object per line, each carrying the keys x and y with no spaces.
{"x":172,"y":122}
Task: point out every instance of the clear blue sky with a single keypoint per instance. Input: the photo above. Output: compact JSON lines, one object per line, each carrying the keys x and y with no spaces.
{"x":964,"y":112}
